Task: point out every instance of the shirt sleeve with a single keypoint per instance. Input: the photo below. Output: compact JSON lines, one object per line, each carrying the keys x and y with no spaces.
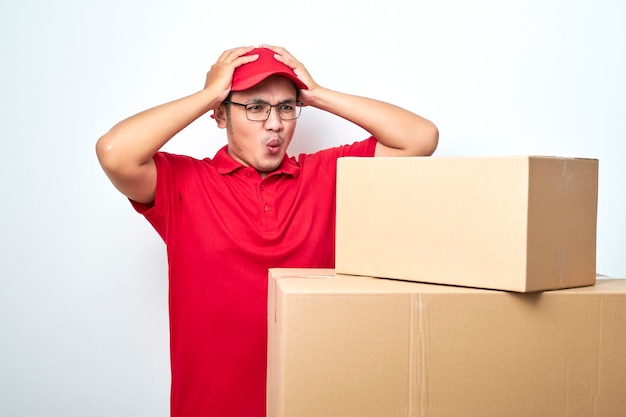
{"x":157,"y":212}
{"x":363,"y":148}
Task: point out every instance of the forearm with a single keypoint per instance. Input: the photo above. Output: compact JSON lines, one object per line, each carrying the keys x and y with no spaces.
{"x":399,"y":130}
{"x":133,"y":141}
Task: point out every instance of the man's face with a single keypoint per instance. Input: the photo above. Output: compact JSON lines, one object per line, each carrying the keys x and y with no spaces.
{"x":260,"y":144}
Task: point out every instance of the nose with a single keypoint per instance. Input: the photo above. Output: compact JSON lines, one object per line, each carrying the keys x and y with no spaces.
{"x":273,"y":122}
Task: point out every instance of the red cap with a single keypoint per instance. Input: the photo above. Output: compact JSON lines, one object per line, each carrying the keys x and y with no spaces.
{"x":250,"y":74}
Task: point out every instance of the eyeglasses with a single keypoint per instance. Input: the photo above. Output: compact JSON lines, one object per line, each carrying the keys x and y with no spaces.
{"x":260,"y":112}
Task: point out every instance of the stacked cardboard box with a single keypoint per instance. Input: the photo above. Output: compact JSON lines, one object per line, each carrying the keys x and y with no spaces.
{"x":350,"y":346}
{"x":520,"y":327}
{"x":511,"y":223}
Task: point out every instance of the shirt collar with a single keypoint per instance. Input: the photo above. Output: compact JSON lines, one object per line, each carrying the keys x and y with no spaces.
{"x":226,"y":164}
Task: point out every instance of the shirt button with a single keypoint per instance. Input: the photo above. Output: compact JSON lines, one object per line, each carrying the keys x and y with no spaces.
{"x":263,"y":188}
{"x":267,"y":208}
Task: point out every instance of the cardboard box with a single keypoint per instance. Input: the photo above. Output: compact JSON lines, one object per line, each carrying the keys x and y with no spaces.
{"x":350,"y":346}
{"x":510,"y":223}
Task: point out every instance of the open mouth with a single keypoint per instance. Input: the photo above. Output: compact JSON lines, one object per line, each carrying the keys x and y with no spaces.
{"x":273,"y":147}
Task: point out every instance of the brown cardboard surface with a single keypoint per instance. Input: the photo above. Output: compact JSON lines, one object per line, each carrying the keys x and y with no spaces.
{"x":512,"y":223}
{"x":356,"y":346}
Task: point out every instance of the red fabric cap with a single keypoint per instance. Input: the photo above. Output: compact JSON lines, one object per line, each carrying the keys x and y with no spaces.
{"x":252,"y":73}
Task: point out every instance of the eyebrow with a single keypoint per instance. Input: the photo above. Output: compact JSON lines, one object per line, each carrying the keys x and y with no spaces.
{"x":257,"y":100}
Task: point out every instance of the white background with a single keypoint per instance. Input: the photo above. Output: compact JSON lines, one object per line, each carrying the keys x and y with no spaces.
{"x":83,"y":293}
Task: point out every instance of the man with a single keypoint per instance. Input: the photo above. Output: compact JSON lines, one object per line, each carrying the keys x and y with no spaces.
{"x":226,"y":220}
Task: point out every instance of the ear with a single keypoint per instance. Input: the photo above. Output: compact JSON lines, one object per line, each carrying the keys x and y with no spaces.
{"x":219,"y":115}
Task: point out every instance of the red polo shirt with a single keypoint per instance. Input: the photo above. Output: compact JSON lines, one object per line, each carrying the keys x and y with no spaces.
{"x":224,"y":226}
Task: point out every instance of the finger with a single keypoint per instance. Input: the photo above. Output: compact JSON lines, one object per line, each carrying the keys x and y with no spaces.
{"x":279,"y":51}
{"x":231,"y":55}
{"x":283,"y":56}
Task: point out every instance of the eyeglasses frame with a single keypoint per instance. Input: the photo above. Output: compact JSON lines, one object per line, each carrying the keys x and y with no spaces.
{"x":245,"y":106}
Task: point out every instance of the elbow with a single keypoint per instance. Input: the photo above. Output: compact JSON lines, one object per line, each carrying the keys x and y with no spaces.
{"x":429,"y":140}
{"x":115,"y":158}
{"x":433,"y":140}
{"x":105,"y":151}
